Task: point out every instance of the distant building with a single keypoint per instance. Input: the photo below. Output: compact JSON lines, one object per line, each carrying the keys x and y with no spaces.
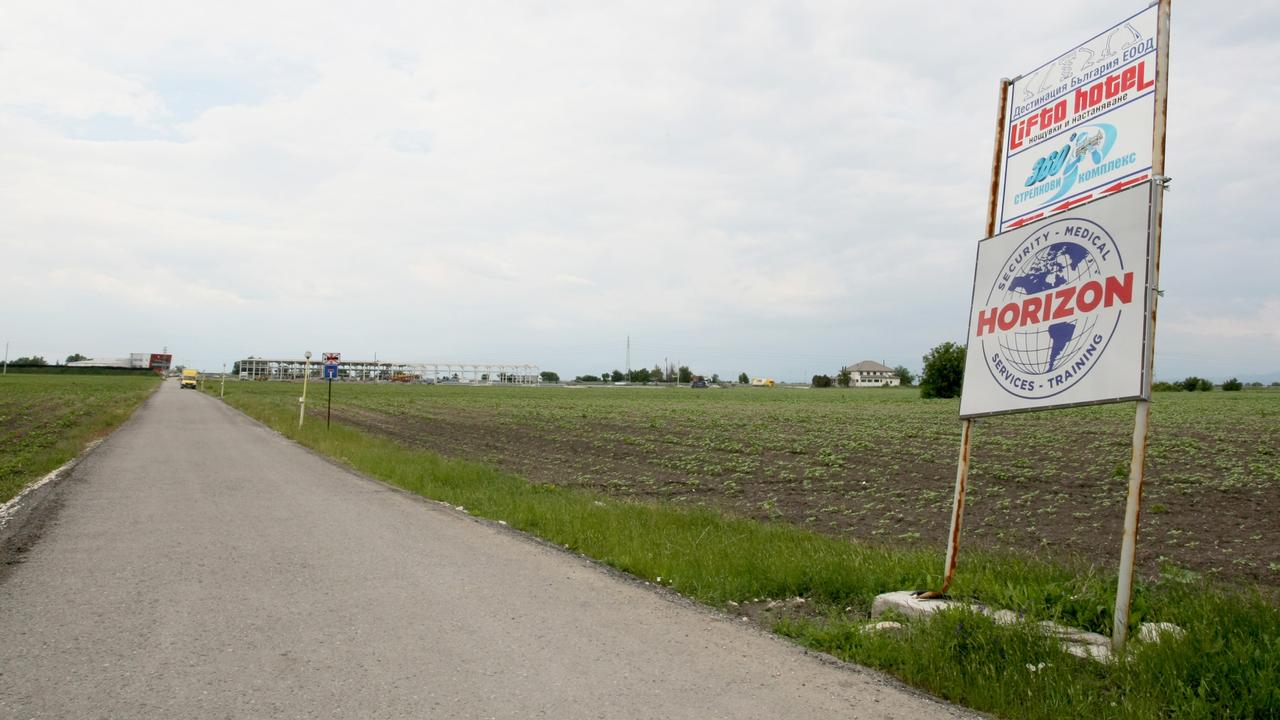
{"x":869,"y":373}
{"x":157,"y":362}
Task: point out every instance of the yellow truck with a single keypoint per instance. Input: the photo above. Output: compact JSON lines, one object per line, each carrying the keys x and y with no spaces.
{"x":189,"y":378}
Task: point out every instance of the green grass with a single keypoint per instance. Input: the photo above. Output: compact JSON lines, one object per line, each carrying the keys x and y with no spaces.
{"x":877,"y":465}
{"x":45,"y":420}
{"x":1227,"y":665}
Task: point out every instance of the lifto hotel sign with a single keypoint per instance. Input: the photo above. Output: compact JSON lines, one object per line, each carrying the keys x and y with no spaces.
{"x":1080,"y":127}
{"x":1060,"y":299}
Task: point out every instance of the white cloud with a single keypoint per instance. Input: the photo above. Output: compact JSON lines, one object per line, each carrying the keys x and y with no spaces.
{"x":787,"y":185}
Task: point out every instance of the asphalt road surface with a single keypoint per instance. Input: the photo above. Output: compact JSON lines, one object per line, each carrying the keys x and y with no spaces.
{"x":198,"y":565}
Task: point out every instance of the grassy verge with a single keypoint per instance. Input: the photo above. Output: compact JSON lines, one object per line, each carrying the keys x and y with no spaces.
{"x":45,"y":420}
{"x":1226,"y":665}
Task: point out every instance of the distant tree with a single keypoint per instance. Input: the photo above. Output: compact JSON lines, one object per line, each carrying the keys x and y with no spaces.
{"x":684,"y":375}
{"x":1275,"y":383}
{"x":1162,"y":386}
{"x":1193,"y":383}
{"x":656,"y":374}
{"x":617,"y":376}
{"x":1255,"y":383}
{"x":844,"y":377}
{"x":743,"y":378}
{"x":715,"y":377}
{"x":1232,"y":385}
{"x":33,"y":360}
{"x":643,"y":375}
{"x":822,"y":381}
{"x":548,"y":376}
{"x":905,"y":376}
{"x":586,"y":378}
{"x":943,"y":375}
{"x":76,"y":357}
{"x":235,"y":368}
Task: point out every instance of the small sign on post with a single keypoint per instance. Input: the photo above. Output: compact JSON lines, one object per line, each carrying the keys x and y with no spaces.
{"x":330,"y":374}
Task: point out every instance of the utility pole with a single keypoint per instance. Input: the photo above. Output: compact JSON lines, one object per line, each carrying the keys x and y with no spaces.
{"x":628,"y":358}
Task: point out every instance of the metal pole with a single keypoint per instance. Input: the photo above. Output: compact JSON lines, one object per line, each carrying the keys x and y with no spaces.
{"x":328,"y":414}
{"x":1142,"y":413}
{"x":966,"y":426}
{"x":302,"y":401}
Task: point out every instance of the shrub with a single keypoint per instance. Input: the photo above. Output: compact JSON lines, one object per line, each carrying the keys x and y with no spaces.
{"x":905,"y":376}
{"x":1193,"y":383}
{"x":822,"y":381}
{"x":1232,"y":385}
{"x":943,"y":375}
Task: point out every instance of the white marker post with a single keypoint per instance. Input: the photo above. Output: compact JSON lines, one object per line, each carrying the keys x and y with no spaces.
{"x":222,"y":390}
{"x":302,"y":401}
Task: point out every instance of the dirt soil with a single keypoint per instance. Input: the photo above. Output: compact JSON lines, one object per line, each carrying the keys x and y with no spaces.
{"x":1042,"y":506}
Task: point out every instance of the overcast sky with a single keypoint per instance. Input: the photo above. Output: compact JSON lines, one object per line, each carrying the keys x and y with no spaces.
{"x":771,"y":188}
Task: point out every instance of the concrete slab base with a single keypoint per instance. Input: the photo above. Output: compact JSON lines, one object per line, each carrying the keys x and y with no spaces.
{"x":1080,"y":643}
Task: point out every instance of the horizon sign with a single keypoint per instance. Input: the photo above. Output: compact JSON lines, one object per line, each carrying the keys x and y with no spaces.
{"x":1080,"y":127}
{"x":1059,"y":310}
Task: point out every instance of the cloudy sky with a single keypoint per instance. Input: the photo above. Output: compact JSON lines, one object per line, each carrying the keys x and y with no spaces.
{"x":771,"y":188}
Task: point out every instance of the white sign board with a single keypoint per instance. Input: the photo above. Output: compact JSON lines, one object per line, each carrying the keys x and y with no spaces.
{"x":1059,"y":310}
{"x":1080,"y":127}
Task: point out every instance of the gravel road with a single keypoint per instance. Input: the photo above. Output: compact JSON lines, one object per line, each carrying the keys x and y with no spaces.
{"x":198,"y":565}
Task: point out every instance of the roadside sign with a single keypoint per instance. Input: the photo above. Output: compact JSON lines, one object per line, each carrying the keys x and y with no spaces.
{"x":330,"y":373}
{"x":1059,"y":310}
{"x":1080,"y":127}
{"x":1064,"y":308}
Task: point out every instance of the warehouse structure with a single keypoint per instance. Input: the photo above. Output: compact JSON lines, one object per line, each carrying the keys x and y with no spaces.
{"x":156,"y":362}
{"x":254,"y":368}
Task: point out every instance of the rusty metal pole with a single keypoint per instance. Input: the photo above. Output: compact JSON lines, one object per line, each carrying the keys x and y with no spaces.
{"x":966,"y":427}
{"x":1142,"y":414}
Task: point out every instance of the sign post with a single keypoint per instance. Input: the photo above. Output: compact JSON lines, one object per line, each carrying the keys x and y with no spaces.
{"x":966,"y":424}
{"x":1138,"y":456}
{"x":1064,"y":299}
{"x":330,"y":373}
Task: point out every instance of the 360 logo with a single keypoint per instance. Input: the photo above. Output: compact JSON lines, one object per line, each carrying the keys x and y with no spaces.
{"x":1090,"y":142}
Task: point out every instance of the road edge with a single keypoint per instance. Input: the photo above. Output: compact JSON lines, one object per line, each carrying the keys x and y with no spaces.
{"x":24,"y":516}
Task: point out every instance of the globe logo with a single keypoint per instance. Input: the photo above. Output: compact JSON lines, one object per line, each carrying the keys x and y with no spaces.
{"x":1039,"y":350}
{"x":1053,"y":308}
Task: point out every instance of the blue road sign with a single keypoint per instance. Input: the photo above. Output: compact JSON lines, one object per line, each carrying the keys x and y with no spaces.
{"x":331,"y":371}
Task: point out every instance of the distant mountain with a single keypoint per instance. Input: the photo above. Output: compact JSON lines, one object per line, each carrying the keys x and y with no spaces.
{"x":1266,"y":379}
